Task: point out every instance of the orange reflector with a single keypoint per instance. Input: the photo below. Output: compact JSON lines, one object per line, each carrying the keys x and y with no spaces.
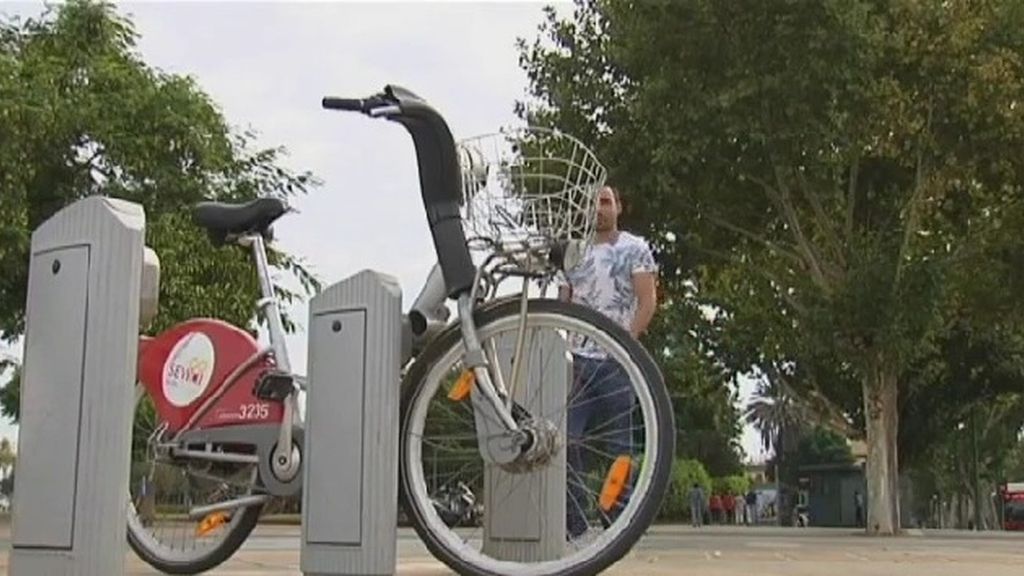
{"x":460,"y":390}
{"x":210,"y":523}
{"x":615,"y":482}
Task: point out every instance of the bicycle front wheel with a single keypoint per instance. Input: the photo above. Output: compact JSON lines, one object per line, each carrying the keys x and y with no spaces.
{"x":596,"y":403}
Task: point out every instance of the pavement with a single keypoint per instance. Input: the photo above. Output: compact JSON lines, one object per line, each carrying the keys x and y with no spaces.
{"x":709,"y":551}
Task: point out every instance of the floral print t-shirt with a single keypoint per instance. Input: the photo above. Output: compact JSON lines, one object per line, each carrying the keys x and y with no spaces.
{"x":603,"y":280}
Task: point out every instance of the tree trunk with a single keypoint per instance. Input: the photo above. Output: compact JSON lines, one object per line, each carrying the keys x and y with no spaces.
{"x":882,"y":423}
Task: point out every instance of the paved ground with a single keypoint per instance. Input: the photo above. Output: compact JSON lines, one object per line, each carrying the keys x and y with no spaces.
{"x":718,"y":551}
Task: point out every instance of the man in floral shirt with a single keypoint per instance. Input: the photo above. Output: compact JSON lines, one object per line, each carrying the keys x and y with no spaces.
{"x":616,"y":277}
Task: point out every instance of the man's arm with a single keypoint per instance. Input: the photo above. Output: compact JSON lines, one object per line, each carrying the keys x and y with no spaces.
{"x":645,"y":274}
{"x":564,"y":292}
{"x":561,"y":280}
{"x":646,"y":302}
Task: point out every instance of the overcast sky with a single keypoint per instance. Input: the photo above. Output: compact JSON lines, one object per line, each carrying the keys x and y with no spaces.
{"x":268,"y":64}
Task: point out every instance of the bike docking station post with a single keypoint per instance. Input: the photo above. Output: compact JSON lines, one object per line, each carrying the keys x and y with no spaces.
{"x":91,"y":281}
{"x":524,"y":512}
{"x":350,"y":484}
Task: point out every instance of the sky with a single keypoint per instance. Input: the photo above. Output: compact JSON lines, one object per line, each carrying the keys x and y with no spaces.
{"x":267,"y":65}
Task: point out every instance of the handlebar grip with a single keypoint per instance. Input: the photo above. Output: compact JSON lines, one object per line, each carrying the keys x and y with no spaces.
{"x":350,"y":104}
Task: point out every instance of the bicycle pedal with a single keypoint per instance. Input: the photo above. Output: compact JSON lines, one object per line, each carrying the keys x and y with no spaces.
{"x":274,"y":386}
{"x":211,"y":522}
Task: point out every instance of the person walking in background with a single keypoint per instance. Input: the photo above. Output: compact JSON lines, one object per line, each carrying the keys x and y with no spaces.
{"x":729,"y":507}
{"x":697,"y":505}
{"x":751,"y":502}
{"x":858,"y":504}
{"x":715,"y":505}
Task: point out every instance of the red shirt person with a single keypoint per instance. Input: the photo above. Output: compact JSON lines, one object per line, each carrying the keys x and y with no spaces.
{"x":729,"y":505}
{"x":715,"y":507}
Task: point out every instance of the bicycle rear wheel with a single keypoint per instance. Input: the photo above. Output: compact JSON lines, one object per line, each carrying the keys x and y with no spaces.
{"x":616,"y":490}
{"x":159,"y":529}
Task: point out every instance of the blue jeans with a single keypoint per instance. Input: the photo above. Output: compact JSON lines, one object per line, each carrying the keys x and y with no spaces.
{"x":601,"y":398}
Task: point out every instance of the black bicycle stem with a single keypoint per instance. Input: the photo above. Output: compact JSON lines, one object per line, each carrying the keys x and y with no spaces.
{"x":440,"y":177}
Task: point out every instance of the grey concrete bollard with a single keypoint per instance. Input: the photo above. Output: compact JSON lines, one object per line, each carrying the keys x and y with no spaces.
{"x":525,"y":513}
{"x":350,"y":487}
{"x":81,"y":343}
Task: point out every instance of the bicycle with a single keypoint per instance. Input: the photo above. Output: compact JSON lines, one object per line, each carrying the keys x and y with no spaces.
{"x":225,"y":410}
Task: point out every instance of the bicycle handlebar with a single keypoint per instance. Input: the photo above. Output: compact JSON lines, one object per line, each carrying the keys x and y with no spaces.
{"x":392,"y":101}
{"x":440,"y":177}
{"x":349,"y":104}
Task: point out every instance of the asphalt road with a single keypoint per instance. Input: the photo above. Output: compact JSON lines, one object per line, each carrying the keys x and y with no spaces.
{"x":730,"y":538}
{"x":715,"y":551}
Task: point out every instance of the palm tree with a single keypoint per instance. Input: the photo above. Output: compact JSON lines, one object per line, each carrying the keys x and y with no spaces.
{"x":779,"y":412}
{"x":10,"y":397}
{"x":783,"y":416}
{"x":776,"y":413}
{"x":780,"y":418}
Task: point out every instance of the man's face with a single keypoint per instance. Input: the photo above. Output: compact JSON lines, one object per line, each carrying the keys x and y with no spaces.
{"x":608,"y":210}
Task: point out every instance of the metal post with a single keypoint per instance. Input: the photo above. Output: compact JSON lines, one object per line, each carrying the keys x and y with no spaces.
{"x":350,"y":491}
{"x":977,"y":474}
{"x":81,"y":343}
{"x":525,"y":513}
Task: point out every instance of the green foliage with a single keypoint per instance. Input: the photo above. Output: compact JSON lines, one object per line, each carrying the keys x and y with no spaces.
{"x":685,"y":473}
{"x":969,"y":385}
{"x":10,"y":392}
{"x":7,"y":485}
{"x":823,"y":446}
{"x":82,"y":114}
{"x":736,"y":485}
{"x":1014,"y":470}
{"x":707,"y":420}
{"x":826,"y":176}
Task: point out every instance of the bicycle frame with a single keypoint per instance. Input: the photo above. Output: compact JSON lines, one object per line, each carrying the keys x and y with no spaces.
{"x":453,"y":276}
{"x":283,"y":458}
{"x":268,"y":304}
{"x":426,"y":317}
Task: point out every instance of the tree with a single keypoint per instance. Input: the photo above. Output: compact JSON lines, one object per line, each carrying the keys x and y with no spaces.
{"x":799,"y":430}
{"x":685,"y":473}
{"x":823,"y":446}
{"x":776,"y":414}
{"x":7,"y":458}
{"x":737,"y":485}
{"x":1014,"y":471}
{"x":823,"y":169}
{"x":10,"y":392}
{"x":964,"y":408}
{"x":82,"y":114}
{"x":7,"y":485}
{"x":707,"y":421}
{"x":792,"y":429}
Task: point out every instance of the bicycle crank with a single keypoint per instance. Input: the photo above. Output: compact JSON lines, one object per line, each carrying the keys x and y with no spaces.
{"x":282,"y":476}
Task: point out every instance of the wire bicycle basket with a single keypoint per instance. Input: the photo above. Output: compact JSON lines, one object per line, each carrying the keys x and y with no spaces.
{"x":529,"y":198}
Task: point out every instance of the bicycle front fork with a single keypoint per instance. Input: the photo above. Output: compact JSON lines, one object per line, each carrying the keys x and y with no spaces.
{"x":479,"y":362}
{"x":506,"y":431}
{"x":499,"y":420}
